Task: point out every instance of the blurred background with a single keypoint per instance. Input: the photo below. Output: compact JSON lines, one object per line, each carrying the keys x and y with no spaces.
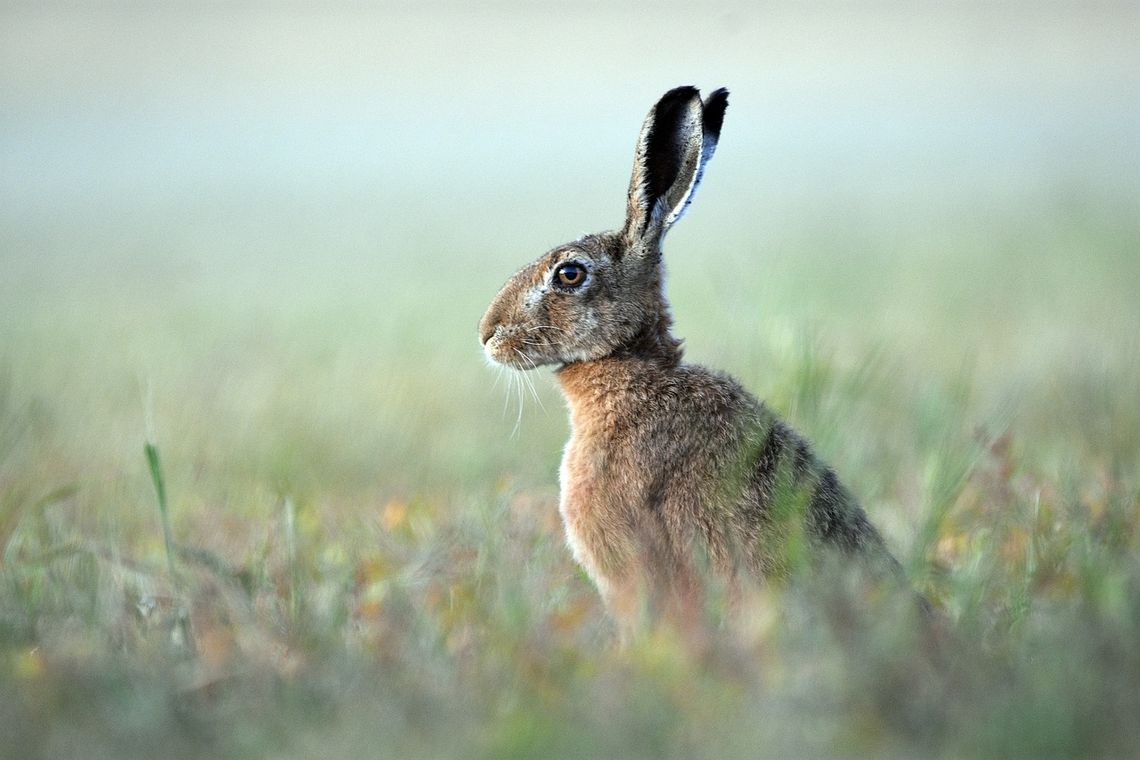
{"x":262,"y":235}
{"x":241,"y":204}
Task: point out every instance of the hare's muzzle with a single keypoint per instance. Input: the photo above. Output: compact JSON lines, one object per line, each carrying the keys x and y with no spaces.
{"x":487,"y":327}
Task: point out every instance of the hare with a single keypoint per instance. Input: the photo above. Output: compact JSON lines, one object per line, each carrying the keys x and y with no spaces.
{"x":671,"y":469}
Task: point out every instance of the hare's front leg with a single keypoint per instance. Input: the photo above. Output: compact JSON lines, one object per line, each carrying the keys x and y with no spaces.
{"x":624,"y":598}
{"x":613,"y":571}
{"x":637,"y":604}
{"x":606,"y":551}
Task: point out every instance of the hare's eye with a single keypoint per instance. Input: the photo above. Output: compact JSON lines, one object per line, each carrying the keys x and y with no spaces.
{"x":570,"y":275}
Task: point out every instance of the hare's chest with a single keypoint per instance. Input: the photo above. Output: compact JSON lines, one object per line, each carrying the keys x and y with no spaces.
{"x":578,"y":483}
{"x":592,"y":497}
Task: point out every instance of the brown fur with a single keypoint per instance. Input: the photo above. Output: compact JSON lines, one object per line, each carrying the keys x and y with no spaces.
{"x":670,"y":467}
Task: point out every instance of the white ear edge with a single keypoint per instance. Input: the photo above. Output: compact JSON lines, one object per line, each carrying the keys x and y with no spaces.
{"x":682,"y":206}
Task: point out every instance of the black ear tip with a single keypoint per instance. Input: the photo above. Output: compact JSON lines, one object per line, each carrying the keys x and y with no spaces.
{"x":719,"y":95}
{"x":678,"y":96}
{"x":714,"y":107}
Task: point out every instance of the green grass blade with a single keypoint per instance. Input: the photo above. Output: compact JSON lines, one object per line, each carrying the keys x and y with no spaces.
{"x":155,"y":467}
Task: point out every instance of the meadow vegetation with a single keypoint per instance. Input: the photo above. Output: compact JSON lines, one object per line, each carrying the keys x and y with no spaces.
{"x":366,"y":554}
{"x":358,"y":552}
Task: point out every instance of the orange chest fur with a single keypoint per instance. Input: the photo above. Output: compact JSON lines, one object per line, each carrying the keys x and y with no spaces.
{"x":596,"y":501}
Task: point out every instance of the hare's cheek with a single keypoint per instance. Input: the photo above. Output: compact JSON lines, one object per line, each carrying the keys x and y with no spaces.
{"x":586,"y":324}
{"x":534,"y":300}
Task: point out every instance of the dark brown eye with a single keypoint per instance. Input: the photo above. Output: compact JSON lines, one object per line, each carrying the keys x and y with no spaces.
{"x":570,"y":275}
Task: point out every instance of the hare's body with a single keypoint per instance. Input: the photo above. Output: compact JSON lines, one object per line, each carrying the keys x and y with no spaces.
{"x":670,"y":464}
{"x":670,"y":468}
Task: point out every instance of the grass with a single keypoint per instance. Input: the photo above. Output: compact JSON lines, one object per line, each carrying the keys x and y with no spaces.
{"x":351,"y":554}
{"x":260,"y":497}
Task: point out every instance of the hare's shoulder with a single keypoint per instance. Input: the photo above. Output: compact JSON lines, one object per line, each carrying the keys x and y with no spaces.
{"x":714,"y":395}
{"x":703,"y":382}
{"x":692,"y":412}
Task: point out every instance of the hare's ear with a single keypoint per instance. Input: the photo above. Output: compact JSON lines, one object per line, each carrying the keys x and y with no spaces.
{"x":677,"y":140}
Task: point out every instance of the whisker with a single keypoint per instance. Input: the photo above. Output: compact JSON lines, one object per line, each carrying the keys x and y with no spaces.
{"x":498,"y":377}
{"x":530,"y":382}
{"x":507,"y":391}
{"x":518,"y":417}
{"x":525,"y":377}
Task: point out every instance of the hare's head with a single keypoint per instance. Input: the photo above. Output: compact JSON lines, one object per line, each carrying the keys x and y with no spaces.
{"x":601,"y":294}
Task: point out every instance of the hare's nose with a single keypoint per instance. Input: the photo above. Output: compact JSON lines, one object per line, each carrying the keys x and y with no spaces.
{"x":487,"y":329}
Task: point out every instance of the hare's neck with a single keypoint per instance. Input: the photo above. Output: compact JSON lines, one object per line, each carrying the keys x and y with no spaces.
{"x":605,"y":392}
{"x":654,"y":343}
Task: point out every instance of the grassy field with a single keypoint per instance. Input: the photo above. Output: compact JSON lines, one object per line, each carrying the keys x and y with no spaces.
{"x":931,"y":270}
